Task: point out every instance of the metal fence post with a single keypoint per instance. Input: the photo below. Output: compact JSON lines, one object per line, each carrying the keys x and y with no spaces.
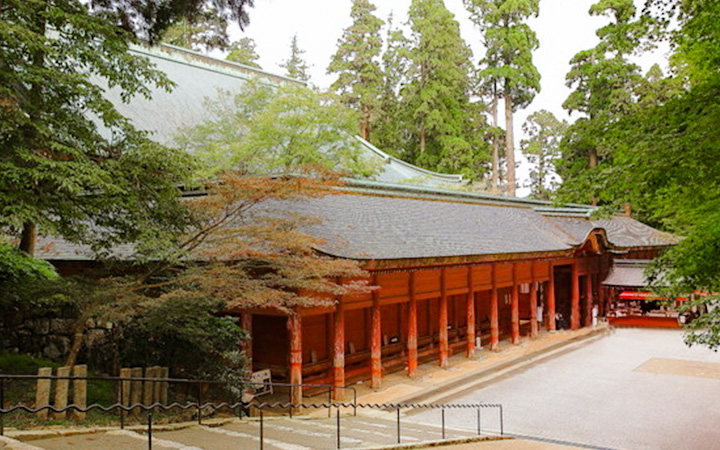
{"x":479,"y":423}
{"x":354,"y":402}
{"x":200,"y":389}
{"x":330,"y":403}
{"x":338,"y":428}
{"x":443,"y":421}
{"x":262,"y":437}
{"x":149,"y":431}
{"x":398,"y":424}
{"x":501,"y":421}
{"x":122,"y":411}
{"x":2,"y":406}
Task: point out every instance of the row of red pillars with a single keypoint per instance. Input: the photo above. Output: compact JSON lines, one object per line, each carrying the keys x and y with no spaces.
{"x":295,"y":331}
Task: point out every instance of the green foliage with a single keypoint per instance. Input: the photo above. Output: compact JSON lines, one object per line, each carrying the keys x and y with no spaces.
{"x":295,"y":66}
{"x":507,"y":69}
{"x":267,"y":129}
{"x":243,"y":52}
{"x":390,"y":126}
{"x":356,"y":62}
{"x":443,"y":121}
{"x":658,"y":145}
{"x":186,"y":335}
{"x":606,"y":89}
{"x":18,"y":364}
{"x":206,"y":32}
{"x":17,"y":268}
{"x":541,"y":148}
{"x":150,"y":18}
{"x":71,"y":164}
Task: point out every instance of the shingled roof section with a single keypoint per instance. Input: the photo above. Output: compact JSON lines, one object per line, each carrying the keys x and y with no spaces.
{"x":386,"y":227}
{"x":200,"y":79}
{"x":622,"y":231}
{"x":627,"y":273}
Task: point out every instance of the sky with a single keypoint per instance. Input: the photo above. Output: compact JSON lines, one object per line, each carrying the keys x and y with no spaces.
{"x":563,"y":28}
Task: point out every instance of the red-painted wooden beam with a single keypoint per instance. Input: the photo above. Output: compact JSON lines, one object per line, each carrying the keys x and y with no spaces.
{"x":575,"y":299}
{"x":339,"y":353}
{"x":443,"y":321}
{"x":494,"y":316}
{"x":515,"y":308}
{"x":294,"y":325}
{"x":412,"y":327}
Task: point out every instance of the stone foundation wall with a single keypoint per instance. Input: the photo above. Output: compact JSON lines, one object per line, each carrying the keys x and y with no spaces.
{"x":48,"y":335}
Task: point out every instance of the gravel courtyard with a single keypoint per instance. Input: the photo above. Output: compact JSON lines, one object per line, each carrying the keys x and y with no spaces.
{"x":633,"y":389}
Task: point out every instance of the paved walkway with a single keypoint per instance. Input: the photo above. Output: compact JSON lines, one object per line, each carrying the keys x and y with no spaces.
{"x":433,"y":383}
{"x":372,"y":429}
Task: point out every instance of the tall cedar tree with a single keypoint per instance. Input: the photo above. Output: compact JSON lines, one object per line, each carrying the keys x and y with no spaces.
{"x":356,"y":62}
{"x":604,"y":80}
{"x":507,"y":65}
{"x":542,"y":148}
{"x":243,"y":51}
{"x":437,"y":92}
{"x":72,"y":165}
{"x":390,"y":125}
{"x":295,"y":66}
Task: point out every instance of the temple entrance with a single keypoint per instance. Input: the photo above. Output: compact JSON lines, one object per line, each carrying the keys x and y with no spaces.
{"x":563,"y":296}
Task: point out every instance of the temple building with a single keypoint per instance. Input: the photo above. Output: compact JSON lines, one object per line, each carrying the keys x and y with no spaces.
{"x":455,"y":271}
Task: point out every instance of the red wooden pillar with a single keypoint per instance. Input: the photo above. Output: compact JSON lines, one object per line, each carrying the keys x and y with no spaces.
{"x":294,"y":326}
{"x":246,"y":346}
{"x":515,"y":307}
{"x":339,"y":352}
{"x":412,"y":351}
{"x":551,"y":300}
{"x":533,"y":304}
{"x":494,"y":313}
{"x":575,"y":305}
{"x":588,"y":300}
{"x":470,"y":308}
{"x":375,"y":340}
{"x":443,"y":321}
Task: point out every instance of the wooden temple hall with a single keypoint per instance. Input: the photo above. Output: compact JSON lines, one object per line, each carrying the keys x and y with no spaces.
{"x":454,"y":272}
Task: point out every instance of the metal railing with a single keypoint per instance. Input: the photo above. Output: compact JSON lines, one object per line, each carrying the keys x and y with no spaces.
{"x":238,"y":407}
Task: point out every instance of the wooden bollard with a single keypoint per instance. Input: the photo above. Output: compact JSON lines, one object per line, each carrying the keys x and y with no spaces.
{"x":61,"y":391}
{"x":164,"y":373}
{"x":124,"y":399}
{"x":42,"y":392}
{"x":136,"y":388}
{"x":149,"y":386}
{"x":79,"y":391}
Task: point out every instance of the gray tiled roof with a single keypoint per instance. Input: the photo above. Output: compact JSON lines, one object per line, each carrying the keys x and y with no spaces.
{"x":393,"y":225}
{"x":621,"y":231}
{"x":199,"y":78}
{"x":628,"y":274}
{"x":387,"y":227}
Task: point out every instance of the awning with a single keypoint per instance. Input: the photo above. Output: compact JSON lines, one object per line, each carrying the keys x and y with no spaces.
{"x":635,"y":295}
{"x":627,"y":274}
{"x":646,"y":296}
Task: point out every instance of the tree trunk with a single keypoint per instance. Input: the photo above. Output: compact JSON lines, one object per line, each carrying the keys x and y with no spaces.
{"x":365,"y":122}
{"x":27,"y":241}
{"x":509,"y":145}
{"x":77,"y":339}
{"x":592,"y":163}
{"x":495,"y":187}
{"x":592,"y":158}
{"x":422,"y":138}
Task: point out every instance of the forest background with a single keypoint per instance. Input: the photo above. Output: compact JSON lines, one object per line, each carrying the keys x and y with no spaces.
{"x":645,"y":141}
